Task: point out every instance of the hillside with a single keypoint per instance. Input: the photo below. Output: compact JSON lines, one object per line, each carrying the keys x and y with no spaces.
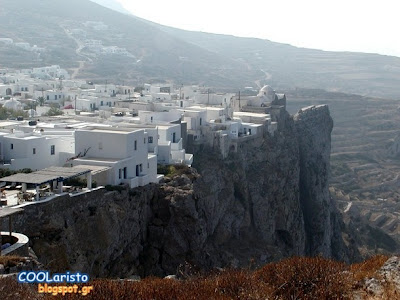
{"x":286,"y":66}
{"x":157,"y":53}
{"x":62,"y":28}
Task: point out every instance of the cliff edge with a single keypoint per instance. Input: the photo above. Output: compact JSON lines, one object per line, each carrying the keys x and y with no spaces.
{"x":267,"y":200}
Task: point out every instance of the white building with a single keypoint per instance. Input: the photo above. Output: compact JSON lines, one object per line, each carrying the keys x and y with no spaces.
{"x":170,"y":145}
{"x":124,"y":152}
{"x":49,"y":72}
{"x":35,"y":150}
{"x":6,"y":41}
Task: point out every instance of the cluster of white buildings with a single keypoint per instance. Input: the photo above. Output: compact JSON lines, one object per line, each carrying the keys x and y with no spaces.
{"x":23,"y":45}
{"x":122,"y":133}
{"x":97,"y":47}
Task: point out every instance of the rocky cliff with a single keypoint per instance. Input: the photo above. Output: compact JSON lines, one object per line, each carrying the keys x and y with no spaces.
{"x":267,"y":200}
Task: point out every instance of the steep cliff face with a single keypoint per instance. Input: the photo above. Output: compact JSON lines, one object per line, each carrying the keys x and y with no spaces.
{"x":321,"y":219}
{"x":243,"y":208}
{"x":266,"y":201}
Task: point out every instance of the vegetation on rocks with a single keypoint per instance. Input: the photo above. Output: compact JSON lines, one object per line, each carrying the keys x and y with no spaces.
{"x":293,"y":278}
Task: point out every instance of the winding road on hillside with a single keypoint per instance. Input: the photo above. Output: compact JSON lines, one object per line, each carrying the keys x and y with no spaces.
{"x":78,"y":51}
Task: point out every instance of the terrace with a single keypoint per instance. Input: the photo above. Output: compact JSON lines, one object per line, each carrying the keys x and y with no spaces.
{"x":41,"y":185}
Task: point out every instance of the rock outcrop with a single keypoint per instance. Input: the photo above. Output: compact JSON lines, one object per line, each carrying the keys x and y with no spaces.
{"x":314,"y":126}
{"x":266,"y":201}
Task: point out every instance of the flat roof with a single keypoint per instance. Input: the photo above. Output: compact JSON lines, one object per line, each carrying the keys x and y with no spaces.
{"x":46,"y":175}
{"x":111,"y":131}
{"x":64,"y":172}
{"x":95,"y":169}
{"x":205,"y":107}
{"x":250,"y":114}
{"x":9,"y":211}
{"x":31,"y":178}
{"x":100,"y":159}
{"x":7,"y":123}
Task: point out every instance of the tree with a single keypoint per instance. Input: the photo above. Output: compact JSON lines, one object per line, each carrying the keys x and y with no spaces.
{"x":54,"y":111}
{"x":40,"y":100}
{"x":138,"y":89}
{"x":6,"y":113}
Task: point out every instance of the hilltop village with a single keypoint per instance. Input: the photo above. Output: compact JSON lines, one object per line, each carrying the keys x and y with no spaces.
{"x":117,"y":134}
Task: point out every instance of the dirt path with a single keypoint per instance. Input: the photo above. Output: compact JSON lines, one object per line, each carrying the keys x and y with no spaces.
{"x":78,"y":51}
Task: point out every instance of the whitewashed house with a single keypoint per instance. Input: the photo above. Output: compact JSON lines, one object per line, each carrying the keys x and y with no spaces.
{"x":123,"y":151}
{"x":170,"y":145}
{"x":35,"y":150}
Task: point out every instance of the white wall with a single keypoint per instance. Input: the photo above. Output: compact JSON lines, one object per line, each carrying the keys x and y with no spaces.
{"x":23,"y":154}
{"x":166,"y":133}
{"x":109,"y":143}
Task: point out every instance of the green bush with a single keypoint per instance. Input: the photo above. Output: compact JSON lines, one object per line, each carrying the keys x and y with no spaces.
{"x":118,"y":188}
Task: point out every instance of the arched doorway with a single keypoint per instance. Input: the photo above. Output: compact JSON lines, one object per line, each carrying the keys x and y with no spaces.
{"x":8,"y":92}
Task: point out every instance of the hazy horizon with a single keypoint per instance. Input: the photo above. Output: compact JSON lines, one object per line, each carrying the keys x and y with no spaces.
{"x":353,"y":26}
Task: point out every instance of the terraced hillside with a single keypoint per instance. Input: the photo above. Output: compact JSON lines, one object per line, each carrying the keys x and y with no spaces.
{"x":365,"y":174}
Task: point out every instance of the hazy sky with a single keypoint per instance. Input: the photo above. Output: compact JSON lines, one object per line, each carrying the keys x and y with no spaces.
{"x":348,"y":25}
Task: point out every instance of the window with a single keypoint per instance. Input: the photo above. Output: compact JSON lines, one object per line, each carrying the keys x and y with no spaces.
{"x":144,"y":140}
{"x":125,"y":173}
{"x":34,"y":151}
{"x":200,"y":121}
{"x":12,"y":146}
{"x":135,"y":145}
{"x":141,"y":168}
{"x":101,"y":103}
{"x":52,"y":149}
{"x":150,"y":139}
{"x":55,"y":97}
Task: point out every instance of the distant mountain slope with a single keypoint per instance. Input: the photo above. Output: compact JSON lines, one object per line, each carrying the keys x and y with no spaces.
{"x":289,"y":66}
{"x":135,"y":50}
{"x":59,"y":26}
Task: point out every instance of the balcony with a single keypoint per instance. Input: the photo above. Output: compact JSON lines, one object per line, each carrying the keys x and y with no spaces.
{"x":176,"y":146}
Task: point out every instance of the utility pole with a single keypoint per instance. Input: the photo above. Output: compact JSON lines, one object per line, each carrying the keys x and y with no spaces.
{"x":61,"y":78}
{"x":239,"y":101}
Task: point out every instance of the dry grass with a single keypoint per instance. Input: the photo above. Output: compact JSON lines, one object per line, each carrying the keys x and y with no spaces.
{"x":11,"y":261}
{"x":367,"y":268}
{"x":10,"y":289}
{"x":293,"y":278}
